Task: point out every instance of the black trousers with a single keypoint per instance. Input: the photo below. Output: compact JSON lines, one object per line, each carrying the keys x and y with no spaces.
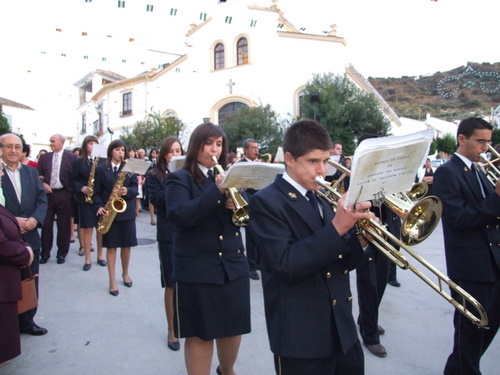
{"x":353,"y":363}
{"x":470,"y":342}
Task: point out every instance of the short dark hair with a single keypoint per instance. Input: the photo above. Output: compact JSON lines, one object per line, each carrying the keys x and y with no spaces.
{"x":246,"y":142}
{"x":305,"y":136}
{"x":198,"y":138}
{"x":469,"y":125}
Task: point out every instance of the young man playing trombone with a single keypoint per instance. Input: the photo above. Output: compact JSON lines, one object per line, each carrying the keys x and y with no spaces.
{"x":307,"y":252}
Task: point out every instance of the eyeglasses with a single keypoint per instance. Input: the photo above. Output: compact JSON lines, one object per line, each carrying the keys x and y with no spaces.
{"x":482,"y":142}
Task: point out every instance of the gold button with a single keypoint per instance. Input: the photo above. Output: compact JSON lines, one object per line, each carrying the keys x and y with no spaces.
{"x":220,"y":254}
{"x":491,"y":244}
{"x":349,"y":299}
{"x":341,"y":256}
{"x":487,"y":226}
{"x":345,"y":272}
{"x":219,"y":202}
{"x":221,"y":238}
{"x":328,"y":275}
{"x":239,"y":251}
{"x":236,"y":234}
{"x":370,"y":259}
{"x":334,"y":302}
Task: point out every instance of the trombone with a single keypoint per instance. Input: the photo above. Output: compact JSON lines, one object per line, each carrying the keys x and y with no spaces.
{"x":492,"y":172}
{"x":419,"y":221}
{"x":241,"y":217}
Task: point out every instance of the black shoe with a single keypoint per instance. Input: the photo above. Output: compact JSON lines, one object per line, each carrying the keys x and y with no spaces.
{"x":377,"y":349}
{"x":35,"y":330}
{"x":81,"y":252}
{"x":218,"y":371}
{"x":127,"y":284}
{"x":174,"y":345}
{"x":102,"y":262}
{"x":113,"y":292}
{"x":86,"y":266}
{"x":394,"y":283}
{"x":43,"y":259}
{"x":254,"y":275}
{"x":380,"y":330}
{"x":60,"y":260}
{"x":153,"y":223}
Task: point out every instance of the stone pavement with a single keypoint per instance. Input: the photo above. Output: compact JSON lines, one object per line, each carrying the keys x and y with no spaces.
{"x":92,"y":332}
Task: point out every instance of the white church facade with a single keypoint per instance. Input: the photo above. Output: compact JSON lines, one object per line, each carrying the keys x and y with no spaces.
{"x":239,"y":55}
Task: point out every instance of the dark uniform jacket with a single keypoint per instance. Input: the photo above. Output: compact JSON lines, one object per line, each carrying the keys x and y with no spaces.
{"x":305,"y":274}
{"x":470,"y":222}
{"x":207,"y":245}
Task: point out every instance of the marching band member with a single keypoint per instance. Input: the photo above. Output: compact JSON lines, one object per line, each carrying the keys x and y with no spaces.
{"x":155,"y":181}
{"x":212,"y":292}
{"x":306,"y":253}
{"x":82,"y":168}
{"x":122,"y":232}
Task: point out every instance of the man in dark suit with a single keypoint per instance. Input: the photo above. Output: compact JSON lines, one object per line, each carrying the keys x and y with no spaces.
{"x":306,"y":253}
{"x":251,"y":151}
{"x":25,"y":198}
{"x":471,"y":211}
{"x":54,"y":169}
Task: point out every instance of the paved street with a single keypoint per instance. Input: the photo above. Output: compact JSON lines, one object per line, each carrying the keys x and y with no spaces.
{"x":92,"y":332}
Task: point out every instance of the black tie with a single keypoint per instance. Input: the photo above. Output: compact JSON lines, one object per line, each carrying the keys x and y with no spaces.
{"x":90,"y":161}
{"x":210,"y":174}
{"x":115,"y":171}
{"x":314,"y":202}
{"x":474,"y":170}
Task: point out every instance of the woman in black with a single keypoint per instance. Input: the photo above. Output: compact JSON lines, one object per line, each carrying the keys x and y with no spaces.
{"x":211,"y":296}
{"x":122,"y":232}
{"x":87,"y":218}
{"x":155,"y":182}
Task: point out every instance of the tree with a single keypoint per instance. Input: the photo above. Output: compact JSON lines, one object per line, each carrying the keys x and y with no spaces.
{"x":4,"y":123}
{"x":447,"y":144}
{"x":260,"y":123}
{"x":343,"y":109}
{"x":151,"y":131}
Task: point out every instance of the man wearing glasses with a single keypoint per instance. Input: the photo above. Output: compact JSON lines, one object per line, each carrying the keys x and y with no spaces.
{"x":471,"y":211}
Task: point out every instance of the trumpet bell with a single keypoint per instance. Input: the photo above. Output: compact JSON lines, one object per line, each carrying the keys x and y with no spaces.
{"x":418,"y":191}
{"x":421,"y":220}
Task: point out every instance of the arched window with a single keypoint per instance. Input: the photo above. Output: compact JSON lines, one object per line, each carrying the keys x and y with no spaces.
{"x":242,"y":48}
{"x":228,"y":109}
{"x":219,"y":56}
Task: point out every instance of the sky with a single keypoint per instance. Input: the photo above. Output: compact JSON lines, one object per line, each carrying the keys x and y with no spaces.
{"x":386,"y":38}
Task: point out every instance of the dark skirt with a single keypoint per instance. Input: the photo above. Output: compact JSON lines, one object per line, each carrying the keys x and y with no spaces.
{"x":166,"y":253}
{"x":212,"y":311}
{"x":10,"y":340}
{"x":121,"y":234}
{"x":87,"y":215}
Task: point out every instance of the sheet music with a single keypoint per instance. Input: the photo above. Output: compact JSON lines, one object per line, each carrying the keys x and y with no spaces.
{"x":331,"y":169}
{"x":138,"y":166}
{"x":251,"y":175}
{"x":386,"y":165}
{"x":177,"y":162}
{"x":99,"y":150}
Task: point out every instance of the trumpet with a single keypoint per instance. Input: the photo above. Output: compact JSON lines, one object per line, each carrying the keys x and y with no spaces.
{"x":241,"y":217}
{"x":419,"y":221}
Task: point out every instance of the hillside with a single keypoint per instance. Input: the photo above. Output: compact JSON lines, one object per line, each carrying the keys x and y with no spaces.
{"x":458,"y":93}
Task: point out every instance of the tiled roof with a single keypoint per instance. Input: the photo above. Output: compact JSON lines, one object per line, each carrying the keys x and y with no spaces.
{"x":11,"y":103}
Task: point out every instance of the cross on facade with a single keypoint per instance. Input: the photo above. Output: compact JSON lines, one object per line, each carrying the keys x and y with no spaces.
{"x":230,"y":84}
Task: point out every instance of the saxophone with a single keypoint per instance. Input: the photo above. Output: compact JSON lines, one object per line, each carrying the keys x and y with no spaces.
{"x":90,"y":183}
{"x":115,"y":204}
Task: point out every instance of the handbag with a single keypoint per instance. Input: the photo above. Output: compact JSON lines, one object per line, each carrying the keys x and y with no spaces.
{"x":30,"y":298}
